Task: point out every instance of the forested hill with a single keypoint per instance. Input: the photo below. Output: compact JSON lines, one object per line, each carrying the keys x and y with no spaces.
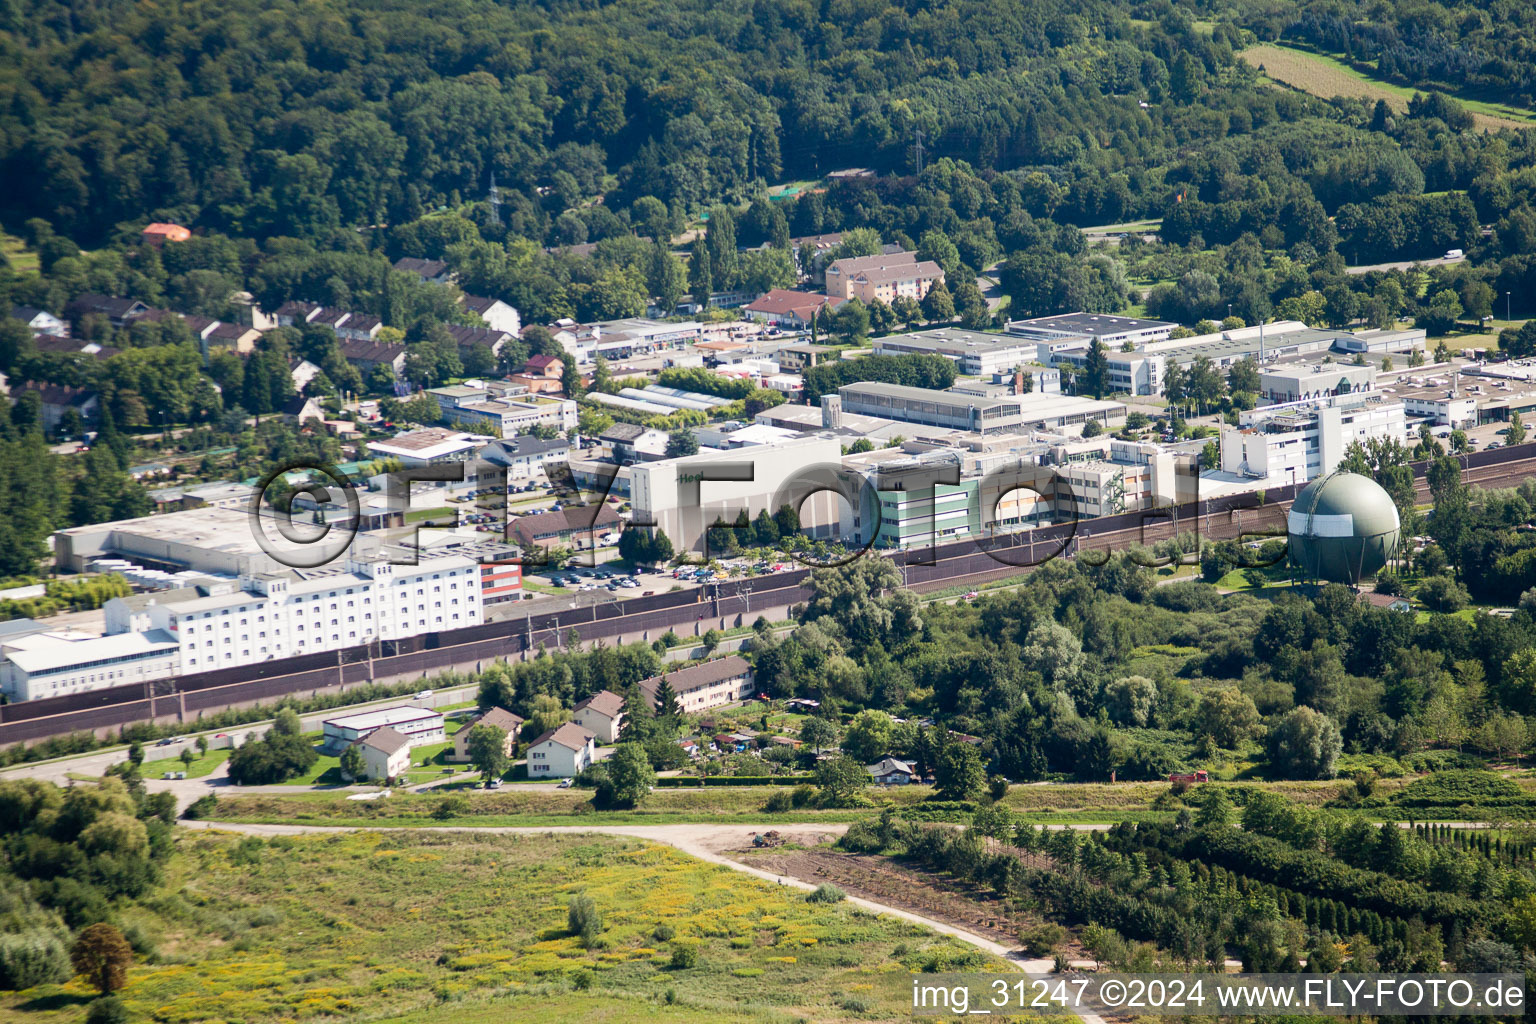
{"x":278,"y":118}
{"x":1482,"y":49}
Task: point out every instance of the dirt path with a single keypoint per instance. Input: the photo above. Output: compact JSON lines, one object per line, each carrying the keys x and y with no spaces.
{"x":707,"y":843}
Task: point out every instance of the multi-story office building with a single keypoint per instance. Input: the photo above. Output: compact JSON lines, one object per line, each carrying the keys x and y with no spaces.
{"x":1297,"y":382}
{"x":499,"y":410}
{"x":684,"y":496}
{"x":1072,"y":330}
{"x":1297,"y":441}
{"x":264,"y":616}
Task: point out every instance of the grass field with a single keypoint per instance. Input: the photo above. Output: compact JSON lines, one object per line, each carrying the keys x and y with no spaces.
{"x":422,"y":927}
{"x":17,"y":255}
{"x":1326,"y":77}
{"x":204,"y":766}
{"x":1056,"y":803}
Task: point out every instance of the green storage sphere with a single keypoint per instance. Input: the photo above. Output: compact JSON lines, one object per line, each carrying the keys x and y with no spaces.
{"x":1343,"y":527}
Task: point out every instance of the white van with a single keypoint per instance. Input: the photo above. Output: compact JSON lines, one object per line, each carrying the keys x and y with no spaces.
{"x":1454,"y":254}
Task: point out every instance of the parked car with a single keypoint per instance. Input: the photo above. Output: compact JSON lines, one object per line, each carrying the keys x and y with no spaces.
{"x":424,"y":694}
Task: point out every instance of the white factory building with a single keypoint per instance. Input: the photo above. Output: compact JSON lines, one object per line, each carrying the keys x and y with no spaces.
{"x":974,"y":353}
{"x":684,"y":496}
{"x":264,"y":616}
{"x":1297,"y":441}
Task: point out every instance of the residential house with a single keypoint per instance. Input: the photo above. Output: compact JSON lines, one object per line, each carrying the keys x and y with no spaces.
{"x":229,"y":337}
{"x":59,"y":399}
{"x":633,"y":443}
{"x":430,"y":271}
{"x":294,"y":313}
{"x":525,"y":455}
{"x":158,"y":234}
{"x":303,"y":371}
{"x":891,"y":772}
{"x":300,"y":409}
{"x":1391,"y":602}
{"x":498,"y":316}
{"x":561,"y":753}
{"x":482,"y":337}
{"x":601,"y":714}
{"x":360,"y":327}
{"x":541,"y":375}
{"x":386,"y":754}
{"x":502,"y":719}
{"x":119,"y":312}
{"x":791,"y":309}
{"x":883,"y":277}
{"x":366,"y":355}
{"x":705,"y":684}
{"x":579,"y":528}
{"x":71,"y":347}
{"x":40,"y":321}
{"x":550,"y":367}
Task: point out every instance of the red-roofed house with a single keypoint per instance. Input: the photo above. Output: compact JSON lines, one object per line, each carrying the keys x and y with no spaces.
{"x":601,"y":714}
{"x":158,"y":233}
{"x":789,"y":308}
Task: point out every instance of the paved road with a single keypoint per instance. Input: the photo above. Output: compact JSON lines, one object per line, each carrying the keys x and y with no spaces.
{"x":95,"y":764}
{"x":1438,"y":261}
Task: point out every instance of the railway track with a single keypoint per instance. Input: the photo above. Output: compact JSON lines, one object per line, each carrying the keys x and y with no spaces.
{"x":969,"y":562}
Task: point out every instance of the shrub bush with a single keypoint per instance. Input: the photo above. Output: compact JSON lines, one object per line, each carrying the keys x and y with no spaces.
{"x":779,"y":802}
{"x":583,"y":919}
{"x":684,"y":957}
{"x":826,"y":893}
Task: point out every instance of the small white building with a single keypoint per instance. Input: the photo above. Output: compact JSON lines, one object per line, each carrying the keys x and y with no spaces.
{"x":601,"y":714}
{"x":561,"y":753}
{"x":386,"y":754}
{"x":418,"y":725}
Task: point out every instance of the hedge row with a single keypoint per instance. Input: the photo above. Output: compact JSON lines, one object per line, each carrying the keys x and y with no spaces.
{"x":688,"y":782}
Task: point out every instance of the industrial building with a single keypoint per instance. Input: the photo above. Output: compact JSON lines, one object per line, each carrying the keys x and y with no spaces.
{"x":974,"y":353}
{"x":1297,"y":382}
{"x":1298,"y":441}
{"x":960,"y":411}
{"x":684,"y":496}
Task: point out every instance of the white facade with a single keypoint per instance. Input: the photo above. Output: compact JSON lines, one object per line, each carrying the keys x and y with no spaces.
{"x":561,"y":754}
{"x":673,"y":495}
{"x":1298,"y":441}
{"x":975,"y":353}
{"x":381,"y":766}
{"x":281,"y":615}
{"x":51,"y":664}
{"x":418,"y":725}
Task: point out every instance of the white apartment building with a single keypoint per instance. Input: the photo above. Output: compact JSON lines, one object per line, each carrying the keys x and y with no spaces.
{"x":1297,"y":441}
{"x":264,"y":616}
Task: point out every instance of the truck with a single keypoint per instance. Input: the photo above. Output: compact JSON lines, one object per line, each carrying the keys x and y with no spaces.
{"x":1200,"y":776}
